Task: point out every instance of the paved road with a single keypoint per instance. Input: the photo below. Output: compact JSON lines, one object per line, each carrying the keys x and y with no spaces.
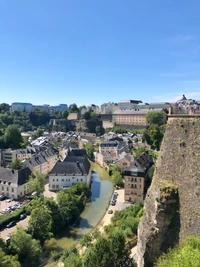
{"x":9,"y":231}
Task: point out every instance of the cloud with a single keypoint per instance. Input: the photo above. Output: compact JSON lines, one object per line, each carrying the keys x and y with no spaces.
{"x":173,"y":97}
{"x":180,"y":38}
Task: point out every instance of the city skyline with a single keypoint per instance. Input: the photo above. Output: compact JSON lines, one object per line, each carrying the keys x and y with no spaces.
{"x":88,"y":52}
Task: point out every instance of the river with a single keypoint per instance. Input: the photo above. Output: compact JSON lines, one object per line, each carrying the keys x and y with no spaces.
{"x":94,"y":211}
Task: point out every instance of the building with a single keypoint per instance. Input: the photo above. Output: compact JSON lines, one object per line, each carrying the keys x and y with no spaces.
{"x":124,"y":160}
{"x":128,"y":104}
{"x":13,"y":183}
{"x":131,"y":117}
{"x":161,"y":105}
{"x":23,"y":107}
{"x":108,"y":149}
{"x":9,"y":155}
{"x":134,"y":178}
{"x":108,"y":108}
{"x":42,"y":162}
{"x":72,"y":170}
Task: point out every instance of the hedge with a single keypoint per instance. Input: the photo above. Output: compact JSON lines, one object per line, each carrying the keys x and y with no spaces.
{"x":13,"y":216}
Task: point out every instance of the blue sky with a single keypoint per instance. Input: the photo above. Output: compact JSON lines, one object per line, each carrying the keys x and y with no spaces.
{"x":95,"y":51}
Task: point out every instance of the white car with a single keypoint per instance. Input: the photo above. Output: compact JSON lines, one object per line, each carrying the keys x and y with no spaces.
{"x":9,"y":200}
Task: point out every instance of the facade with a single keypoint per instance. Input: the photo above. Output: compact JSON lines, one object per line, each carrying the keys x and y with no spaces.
{"x":124,"y":160}
{"x":23,"y":107}
{"x":128,"y":104}
{"x":131,"y":117}
{"x":134,"y":178}
{"x":13,"y":183}
{"x":108,"y":149}
{"x":27,"y":107}
{"x":108,"y":108}
{"x":72,"y":170}
{"x":9,"y":155}
{"x":42,"y":162}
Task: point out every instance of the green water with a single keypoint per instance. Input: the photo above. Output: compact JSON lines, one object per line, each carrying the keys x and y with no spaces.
{"x":101,"y":193}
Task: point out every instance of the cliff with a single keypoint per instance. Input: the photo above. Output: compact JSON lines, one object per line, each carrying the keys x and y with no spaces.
{"x":172,"y":205}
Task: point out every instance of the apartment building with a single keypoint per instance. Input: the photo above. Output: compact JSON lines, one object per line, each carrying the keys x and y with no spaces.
{"x":134,"y":178}
{"x":72,"y":170}
{"x":131,"y":117}
{"x":13,"y":183}
{"x":128,"y":104}
{"x":108,"y":149}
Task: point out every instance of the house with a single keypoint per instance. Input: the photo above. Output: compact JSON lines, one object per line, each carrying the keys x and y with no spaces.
{"x":134,"y":178}
{"x":72,"y":170}
{"x":13,"y":183}
{"x":42,"y":162}
{"x":124,"y":160}
{"x":109,"y":150}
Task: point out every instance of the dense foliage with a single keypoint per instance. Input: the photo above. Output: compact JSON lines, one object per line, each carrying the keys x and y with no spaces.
{"x":90,"y":150}
{"x":155,"y":117}
{"x":187,"y":254}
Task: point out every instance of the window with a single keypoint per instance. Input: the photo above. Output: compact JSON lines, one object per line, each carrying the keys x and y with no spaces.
{"x":81,"y":180}
{"x":62,"y":180}
{"x":57,"y":180}
{"x":3,"y":188}
{"x":7,"y":189}
{"x":12,"y":190}
{"x":57,"y":186}
{"x":53,"y":186}
{"x":53,"y":180}
{"x":77,"y":180}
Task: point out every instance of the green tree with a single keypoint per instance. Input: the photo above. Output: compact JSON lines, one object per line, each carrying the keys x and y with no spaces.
{"x":65,"y":114}
{"x":117,"y":178}
{"x":89,"y":150}
{"x":155,"y":117}
{"x":137,"y":152}
{"x":73,"y":261}
{"x":98,"y":130}
{"x":73,"y":108}
{"x":39,"y":132}
{"x":93,"y":115}
{"x":12,"y":137}
{"x":86,"y":116}
{"x":4,"y":107}
{"x":85,"y":240}
{"x":36,"y":183}
{"x":16,"y":164}
{"x":8,"y":260}
{"x":27,"y":248}
{"x":40,"y":223}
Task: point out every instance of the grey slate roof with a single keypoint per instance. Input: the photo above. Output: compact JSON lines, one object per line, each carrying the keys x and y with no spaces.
{"x":72,"y":165}
{"x":77,"y":152}
{"x":14,"y":177}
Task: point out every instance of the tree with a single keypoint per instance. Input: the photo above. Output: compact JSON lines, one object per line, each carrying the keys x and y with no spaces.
{"x":117,"y":178}
{"x":4,"y":107}
{"x":16,"y":164}
{"x":137,"y":152}
{"x":98,"y":130}
{"x":85,"y":240}
{"x":89,"y":150}
{"x":27,"y":248}
{"x":40,"y":223}
{"x":36,"y":183}
{"x":86,"y":115}
{"x":39,"y":132}
{"x":93,"y":115}
{"x":73,"y":108}
{"x":8,"y":261}
{"x":155,"y":117}
{"x":65,"y":114}
{"x":12,"y":137}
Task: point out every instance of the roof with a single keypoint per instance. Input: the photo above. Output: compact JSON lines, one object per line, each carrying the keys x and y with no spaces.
{"x":135,"y":111}
{"x":131,"y":101}
{"x":77,"y":152}
{"x":72,"y":165}
{"x":14,"y":177}
{"x":141,"y":164}
{"x":109,"y":143}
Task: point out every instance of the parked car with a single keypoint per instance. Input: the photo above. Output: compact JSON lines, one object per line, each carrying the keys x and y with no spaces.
{"x":22,"y":216}
{"x":9,"y":200}
{"x":12,"y":208}
{"x":113,"y":203}
{"x":116,"y":193}
{"x":11,"y":224}
{"x":2,"y":197}
{"x":110,"y":211}
{"x":17,"y":206}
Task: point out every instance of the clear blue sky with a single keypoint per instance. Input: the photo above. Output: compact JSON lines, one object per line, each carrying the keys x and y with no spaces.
{"x":95,"y":51}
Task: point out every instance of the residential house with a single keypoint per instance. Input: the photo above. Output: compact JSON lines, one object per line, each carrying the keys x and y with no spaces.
{"x":43,"y":162}
{"x":124,"y":160}
{"x":13,"y":183}
{"x":134,"y":178}
{"x":72,"y":170}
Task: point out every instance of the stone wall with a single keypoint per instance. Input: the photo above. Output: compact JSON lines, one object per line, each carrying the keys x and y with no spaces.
{"x":172,"y":205}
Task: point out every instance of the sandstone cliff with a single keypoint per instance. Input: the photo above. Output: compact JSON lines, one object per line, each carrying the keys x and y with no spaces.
{"x":172,"y":205}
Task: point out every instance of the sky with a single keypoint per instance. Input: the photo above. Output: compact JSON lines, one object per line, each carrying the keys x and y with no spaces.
{"x":96,"y":51}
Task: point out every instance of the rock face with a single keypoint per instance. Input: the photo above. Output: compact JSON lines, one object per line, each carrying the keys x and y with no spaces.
{"x":172,"y":205}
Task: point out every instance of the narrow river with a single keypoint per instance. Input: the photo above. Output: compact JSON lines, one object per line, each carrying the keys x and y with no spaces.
{"x":94,"y":211}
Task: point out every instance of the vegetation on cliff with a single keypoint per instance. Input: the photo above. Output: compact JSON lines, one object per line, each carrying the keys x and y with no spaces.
{"x":187,"y":254}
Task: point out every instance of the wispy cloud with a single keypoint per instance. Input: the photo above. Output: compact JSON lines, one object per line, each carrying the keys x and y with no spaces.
{"x":173,"y":97}
{"x":180,"y":38}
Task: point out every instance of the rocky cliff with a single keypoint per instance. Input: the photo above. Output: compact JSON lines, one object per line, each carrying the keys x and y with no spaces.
{"x":172,"y":205}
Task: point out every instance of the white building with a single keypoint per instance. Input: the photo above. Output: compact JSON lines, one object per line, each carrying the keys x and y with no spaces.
{"x":13,"y":183}
{"x":23,"y":107}
{"x":72,"y":170}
